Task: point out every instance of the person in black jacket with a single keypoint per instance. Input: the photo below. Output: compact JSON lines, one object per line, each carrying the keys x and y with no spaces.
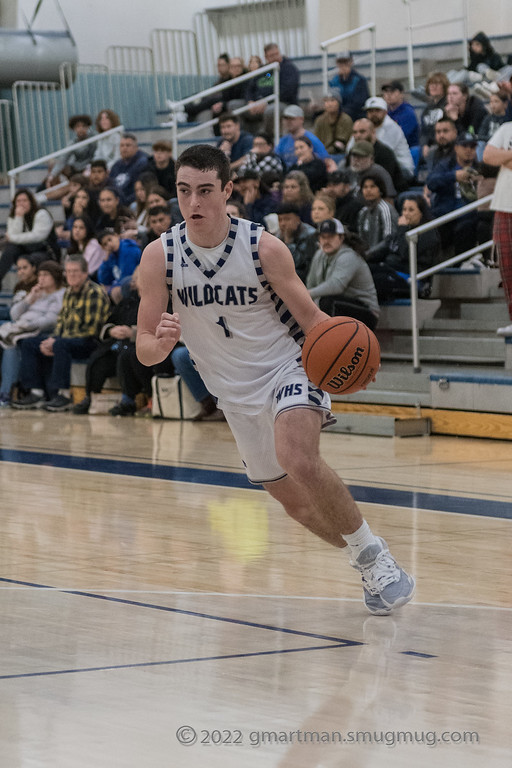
{"x":259,"y":87}
{"x":161,"y":165}
{"x":390,"y":273}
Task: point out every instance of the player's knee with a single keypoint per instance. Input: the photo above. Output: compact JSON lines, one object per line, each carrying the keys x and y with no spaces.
{"x":299,"y":465}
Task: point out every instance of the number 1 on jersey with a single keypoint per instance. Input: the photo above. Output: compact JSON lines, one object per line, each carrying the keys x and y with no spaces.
{"x":223,"y":324}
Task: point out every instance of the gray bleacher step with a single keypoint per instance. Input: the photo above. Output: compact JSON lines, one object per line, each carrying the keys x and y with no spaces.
{"x":450,"y":326}
{"x":380,"y":425}
{"x":492,"y":310}
{"x":378,"y":395}
{"x":477,"y":360}
{"x":472,"y":392}
{"x":431,"y":346}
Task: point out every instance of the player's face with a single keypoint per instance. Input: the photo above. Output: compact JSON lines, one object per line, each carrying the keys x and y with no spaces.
{"x":201,"y":199}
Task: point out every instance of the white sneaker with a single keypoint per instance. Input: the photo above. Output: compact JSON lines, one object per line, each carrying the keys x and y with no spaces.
{"x":385,"y":585}
{"x":505,"y":331}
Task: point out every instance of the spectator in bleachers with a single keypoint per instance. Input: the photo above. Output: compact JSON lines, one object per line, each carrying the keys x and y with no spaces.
{"x":295,"y":189}
{"x":262,"y":157}
{"x":159,"y":196}
{"x":26,"y":273}
{"x":116,"y":335}
{"x":30,"y":231}
{"x":498,"y":152}
{"x":364,"y":130}
{"x":293,"y":118}
{"x":235,"y":143}
{"x":76,"y":160}
{"x":351,"y":85}
{"x":161,"y":165}
{"x":139,"y":208}
{"x":234,"y":97}
{"x":83,"y":241}
{"x":32,"y":312}
{"x":83,"y":204}
{"x":467,"y":111}
{"x":482,"y":57}
{"x":453,"y":184}
{"x":46,"y":360}
{"x":390,"y":268}
{"x":98,"y":177}
{"x":390,"y":133}
{"x":113,"y":215}
{"x":333,"y":126}
{"x":341,"y":186}
{"x":159,"y":221}
{"x":361,"y":161}
{"x":213,"y":104}
{"x":122,"y":256}
{"x":256,"y":197}
{"x":445,"y":135}
{"x":308,"y":163}
{"x":339,"y":279}
{"x":401,"y":111}
{"x":322,"y":208}
{"x":128,"y":168}
{"x":498,"y":103}
{"x":262,"y":86}
{"x":255,"y":62}
{"x":236,"y":208}
{"x":436,"y":89}
{"x":377,"y":221}
{"x":107,"y":148}
{"x":295,"y":234}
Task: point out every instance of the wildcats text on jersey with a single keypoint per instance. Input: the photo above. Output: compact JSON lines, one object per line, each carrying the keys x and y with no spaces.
{"x":224,"y":295}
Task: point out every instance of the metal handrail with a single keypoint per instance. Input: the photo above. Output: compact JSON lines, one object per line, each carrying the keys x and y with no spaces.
{"x":410,"y":27}
{"x":414,"y":275}
{"x":176,"y":106}
{"x":15,"y":172}
{"x":372,"y":27}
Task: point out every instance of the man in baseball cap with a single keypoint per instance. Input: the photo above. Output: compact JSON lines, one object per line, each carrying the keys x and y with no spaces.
{"x":351,"y":86}
{"x":293,"y":129}
{"x":390,"y":133}
{"x":339,"y":279}
{"x":401,"y":111}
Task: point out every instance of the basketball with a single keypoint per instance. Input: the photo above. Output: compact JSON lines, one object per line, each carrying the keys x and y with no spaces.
{"x":341,"y":355}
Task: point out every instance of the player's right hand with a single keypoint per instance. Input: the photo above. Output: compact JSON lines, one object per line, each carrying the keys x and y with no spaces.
{"x":168,"y":330}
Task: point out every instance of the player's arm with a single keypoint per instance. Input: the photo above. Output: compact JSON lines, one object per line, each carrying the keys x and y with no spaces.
{"x":279,"y":269}
{"x":496,"y":156}
{"x":157,"y":330}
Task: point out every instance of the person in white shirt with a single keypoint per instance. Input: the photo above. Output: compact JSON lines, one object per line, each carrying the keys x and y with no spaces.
{"x":390,"y":133}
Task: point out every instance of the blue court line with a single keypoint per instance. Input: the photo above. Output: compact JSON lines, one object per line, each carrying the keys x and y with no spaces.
{"x":241,"y":622}
{"x":172,"y":661}
{"x":361,"y":493}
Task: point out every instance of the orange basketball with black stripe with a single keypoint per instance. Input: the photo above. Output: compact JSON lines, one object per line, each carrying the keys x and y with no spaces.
{"x":341,"y":355}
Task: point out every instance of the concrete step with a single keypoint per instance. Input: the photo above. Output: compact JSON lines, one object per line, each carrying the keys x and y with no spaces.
{"x":495,"y":311}
{"x":444,"y":346}
{"x":465,"y":284}
{"x":459,"y":327}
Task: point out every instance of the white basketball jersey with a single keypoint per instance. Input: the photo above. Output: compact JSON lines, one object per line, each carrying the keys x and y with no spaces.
{"x":239,"y":333}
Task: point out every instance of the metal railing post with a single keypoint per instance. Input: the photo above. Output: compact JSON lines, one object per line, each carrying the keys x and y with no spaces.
{"x":373,"y":66}
{"x":413,"y":242}
{"x":410,"y":53}
{"x":324,"y":45}
{"x":325,"y":76}
{"x":277,"y":111}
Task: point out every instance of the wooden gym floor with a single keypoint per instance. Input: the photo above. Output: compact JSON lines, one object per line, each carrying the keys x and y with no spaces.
{"x":157,"y":611}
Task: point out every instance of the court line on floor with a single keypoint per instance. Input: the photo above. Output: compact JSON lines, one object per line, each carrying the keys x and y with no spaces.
{"x":361,"y":493}
{"x":184,"y":612}
{"x":181,"y":661}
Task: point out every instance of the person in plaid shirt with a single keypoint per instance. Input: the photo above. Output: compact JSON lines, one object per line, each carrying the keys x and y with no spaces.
{"x":262,"y":157}
{"x":46,"y":360}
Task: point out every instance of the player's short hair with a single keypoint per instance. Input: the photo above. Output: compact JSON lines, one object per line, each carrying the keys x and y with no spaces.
{"x":204,"y":157}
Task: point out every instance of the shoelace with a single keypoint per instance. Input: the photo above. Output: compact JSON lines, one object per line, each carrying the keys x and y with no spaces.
{"x":379,"y":574}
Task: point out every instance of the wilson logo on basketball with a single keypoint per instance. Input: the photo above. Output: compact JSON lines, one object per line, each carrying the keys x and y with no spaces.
{"x":346,"y":371}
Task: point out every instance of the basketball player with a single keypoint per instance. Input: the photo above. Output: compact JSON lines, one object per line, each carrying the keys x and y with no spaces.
{"x":242,"y":312}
